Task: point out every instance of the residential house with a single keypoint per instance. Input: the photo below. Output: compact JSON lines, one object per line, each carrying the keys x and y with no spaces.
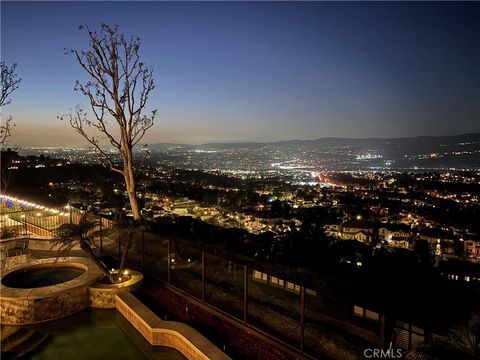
{"x":360,"y":230}
{"x":471,"y":246}
{"x":441,"y":241}
{"x":334,"y":228}
{"x":396,"y":235}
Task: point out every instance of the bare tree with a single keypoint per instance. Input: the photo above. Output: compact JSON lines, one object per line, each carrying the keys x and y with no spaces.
{"x":9,"y":82}
{"x":7,"y":173}
{"x":118,"y":88}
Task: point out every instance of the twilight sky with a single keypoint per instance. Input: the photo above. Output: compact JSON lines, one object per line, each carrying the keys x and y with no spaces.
{"x":236,"y":71}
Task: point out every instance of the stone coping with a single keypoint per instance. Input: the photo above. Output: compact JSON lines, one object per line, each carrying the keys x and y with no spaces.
{"x":157,"y":332}
{"x":136,"y":277}
{"x":92,"y":274}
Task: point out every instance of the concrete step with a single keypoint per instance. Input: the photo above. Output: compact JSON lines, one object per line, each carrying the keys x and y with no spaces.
{"x":34,"y":342}
{"x":17,"y":338}
{"x":8,"y":330}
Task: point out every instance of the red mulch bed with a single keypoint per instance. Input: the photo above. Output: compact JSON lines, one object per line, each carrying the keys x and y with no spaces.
{"x":240,"y":344}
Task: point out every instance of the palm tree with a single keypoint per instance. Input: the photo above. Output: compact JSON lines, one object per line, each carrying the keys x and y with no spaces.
{"x":461,"y":343}
{"x":66,"y":236}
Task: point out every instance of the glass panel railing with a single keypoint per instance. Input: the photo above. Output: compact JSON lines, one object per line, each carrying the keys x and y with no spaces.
{"x":155,"y":257}
{"x":135,"y":255}
{"x":224,"y":285}
{"x":274,"y":306}
{"x":331,"y":330}
{"x":186,"y":269}
{"x":109,"y":240}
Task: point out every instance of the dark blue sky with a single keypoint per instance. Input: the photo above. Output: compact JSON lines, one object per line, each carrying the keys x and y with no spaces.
{"x":229,"y":71}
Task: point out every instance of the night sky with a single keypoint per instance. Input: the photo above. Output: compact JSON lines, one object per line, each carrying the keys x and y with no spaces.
{"x":246,"y":71}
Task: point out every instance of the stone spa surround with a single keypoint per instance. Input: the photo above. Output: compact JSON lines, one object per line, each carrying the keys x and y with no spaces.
{"x":20,"y":306}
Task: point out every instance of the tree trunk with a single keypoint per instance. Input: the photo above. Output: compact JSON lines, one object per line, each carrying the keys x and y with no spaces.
{"x":126,"y":250}
{"x":88,"y":250}
{"x":130,"y":183}
{"x":133,"y":198}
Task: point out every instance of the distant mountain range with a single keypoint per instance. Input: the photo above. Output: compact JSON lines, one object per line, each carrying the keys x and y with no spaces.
{"x":423,"y":152}
{"x":326,"y":142}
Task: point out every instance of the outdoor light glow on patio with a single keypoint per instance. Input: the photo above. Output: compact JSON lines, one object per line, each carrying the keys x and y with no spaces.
{"x":33,"y":205}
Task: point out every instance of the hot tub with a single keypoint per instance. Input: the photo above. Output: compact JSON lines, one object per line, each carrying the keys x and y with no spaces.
{"x":41,"y":275}
{"x":46,"y":289}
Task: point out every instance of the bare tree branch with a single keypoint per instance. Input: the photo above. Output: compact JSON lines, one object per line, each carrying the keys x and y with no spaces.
{"x":78,"y":121}
{"x":9,"y":83}
{"x":119,"y":87}
{"x":142,"y":158}
{"x":7,"y":169}
{"x":5,"y":131}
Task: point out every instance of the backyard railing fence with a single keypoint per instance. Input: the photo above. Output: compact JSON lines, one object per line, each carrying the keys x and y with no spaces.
{"x":302,"y":318}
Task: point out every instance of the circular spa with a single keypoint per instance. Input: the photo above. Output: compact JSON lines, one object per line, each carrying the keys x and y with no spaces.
{"x":41,"y":275}
{"x":46,"y":289}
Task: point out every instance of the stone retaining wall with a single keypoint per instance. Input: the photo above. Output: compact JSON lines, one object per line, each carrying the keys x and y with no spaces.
{"x":30,"y":311}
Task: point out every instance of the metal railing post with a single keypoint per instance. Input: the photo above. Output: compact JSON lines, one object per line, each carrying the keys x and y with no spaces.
{"x":143,"y":250}
{"x":245,"y":293}
{"x":119,"y":246}
{"x":302,"y":317}
{"x":169,"y":260}
{"x":25,"y":232}
{"x":382,"y":331}
{"x":101,"y":235}
{"x":203,"y":275}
